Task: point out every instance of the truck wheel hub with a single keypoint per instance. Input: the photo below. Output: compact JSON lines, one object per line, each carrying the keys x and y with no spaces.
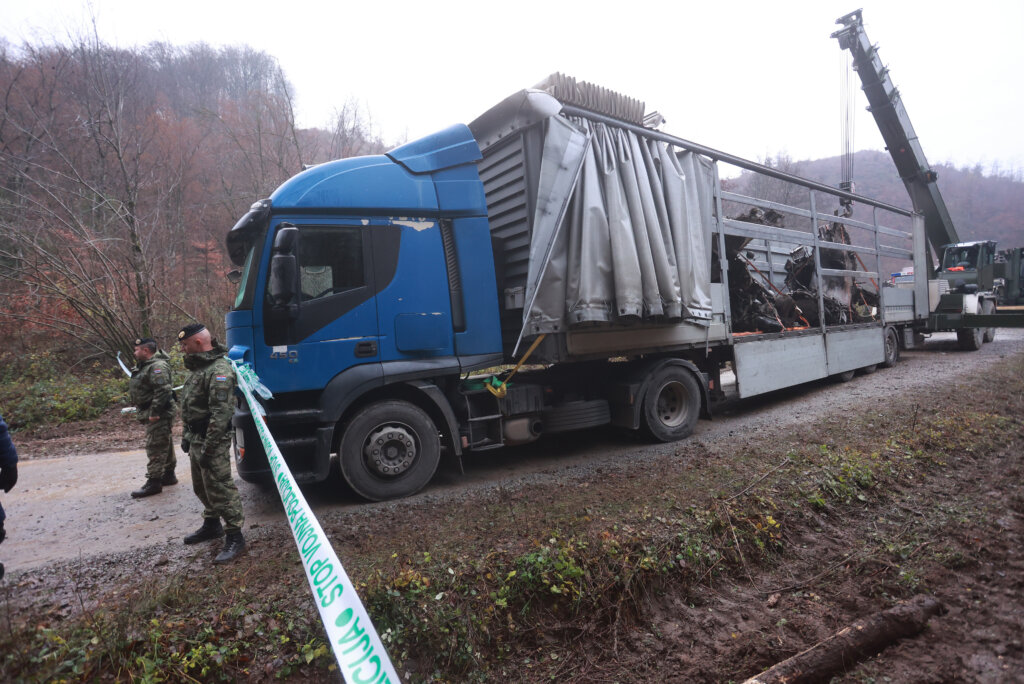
{"x":671,"y":404}
{"x":390,"y":450}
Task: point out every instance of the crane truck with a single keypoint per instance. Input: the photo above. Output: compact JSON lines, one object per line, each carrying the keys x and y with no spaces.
{"x":969,"y":281}
{"x":1009,"y":278}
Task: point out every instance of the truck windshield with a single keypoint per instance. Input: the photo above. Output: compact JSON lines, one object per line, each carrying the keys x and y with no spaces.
{"x":960,"y":258}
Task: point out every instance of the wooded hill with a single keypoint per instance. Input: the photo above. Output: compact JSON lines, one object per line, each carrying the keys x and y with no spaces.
{"x":982,"y":206}
{"x":121,"y":170}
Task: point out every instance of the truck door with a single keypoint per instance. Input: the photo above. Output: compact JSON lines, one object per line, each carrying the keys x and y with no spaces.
{"x":414,"y":308}
{"x":335,"y":326}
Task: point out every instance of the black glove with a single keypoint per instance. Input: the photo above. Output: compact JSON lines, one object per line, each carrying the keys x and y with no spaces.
{"x":185,"y":445}
{"x":8,"y":477}
{"x":3,"y":533}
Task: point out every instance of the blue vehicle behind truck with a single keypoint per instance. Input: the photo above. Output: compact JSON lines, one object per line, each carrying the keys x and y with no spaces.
{"x":560,"y":230}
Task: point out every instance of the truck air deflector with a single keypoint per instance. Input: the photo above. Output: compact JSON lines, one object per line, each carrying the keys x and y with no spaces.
{"x":453,"y":146}
{"x":368,"y":184}
{"x":459,"y":192}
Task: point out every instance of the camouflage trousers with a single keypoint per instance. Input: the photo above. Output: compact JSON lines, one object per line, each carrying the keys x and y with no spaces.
{"x":160,"y":448}
{"x":213,"y":484}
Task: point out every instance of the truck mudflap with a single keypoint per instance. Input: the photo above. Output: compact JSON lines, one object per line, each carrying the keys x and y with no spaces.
{"x":435,"y":395}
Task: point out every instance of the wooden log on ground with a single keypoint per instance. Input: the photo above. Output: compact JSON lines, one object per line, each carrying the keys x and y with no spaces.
{"x":862,"y":639}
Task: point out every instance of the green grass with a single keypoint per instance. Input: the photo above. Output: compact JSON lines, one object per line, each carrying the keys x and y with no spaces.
{"x":38,"y":390}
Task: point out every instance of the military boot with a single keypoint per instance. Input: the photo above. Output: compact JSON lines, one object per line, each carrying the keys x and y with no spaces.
{"x":168,"y":479}
{"x":234,"y":546}
{"x":211,"y":529}
{"x":149,"y":489}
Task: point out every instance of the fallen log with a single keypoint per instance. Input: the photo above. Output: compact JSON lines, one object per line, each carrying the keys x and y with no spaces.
{"x":863,"y":638}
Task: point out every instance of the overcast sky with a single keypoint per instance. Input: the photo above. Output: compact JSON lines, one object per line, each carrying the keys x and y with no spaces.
{"x":751,"y":78}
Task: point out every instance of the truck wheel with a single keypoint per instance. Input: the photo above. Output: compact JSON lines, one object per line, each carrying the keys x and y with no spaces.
{"x":969,"y":339}
{"x":845,"y":376}
{"x":892,"y":348}
{"x":988,"y":308}
{"x":389,"y":450}
{"x":671,"y":405}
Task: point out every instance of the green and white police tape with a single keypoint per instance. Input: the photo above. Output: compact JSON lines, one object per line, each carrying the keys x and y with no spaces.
{"x":361,"y":656}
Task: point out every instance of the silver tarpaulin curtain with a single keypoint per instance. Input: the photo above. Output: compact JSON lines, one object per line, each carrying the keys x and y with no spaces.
{"x":631,"y":240}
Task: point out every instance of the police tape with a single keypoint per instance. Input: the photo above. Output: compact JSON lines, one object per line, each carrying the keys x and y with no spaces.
{"x":360,"y":654}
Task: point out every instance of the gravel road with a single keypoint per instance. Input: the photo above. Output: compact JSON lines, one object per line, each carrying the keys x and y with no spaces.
{"x":79,"y":506}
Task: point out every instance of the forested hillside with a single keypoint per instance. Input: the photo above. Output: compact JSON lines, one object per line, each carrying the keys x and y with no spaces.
{"x":121,"y":171}
{"x":982,"y":206}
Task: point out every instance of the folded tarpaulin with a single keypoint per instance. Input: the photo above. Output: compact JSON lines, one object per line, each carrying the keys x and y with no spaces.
{"x":621,"y":231}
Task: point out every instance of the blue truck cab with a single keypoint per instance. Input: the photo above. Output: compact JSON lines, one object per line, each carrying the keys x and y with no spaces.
{"x":365,"y":280}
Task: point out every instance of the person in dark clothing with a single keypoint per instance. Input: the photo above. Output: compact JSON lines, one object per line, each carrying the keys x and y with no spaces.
{"x":8,"y":473}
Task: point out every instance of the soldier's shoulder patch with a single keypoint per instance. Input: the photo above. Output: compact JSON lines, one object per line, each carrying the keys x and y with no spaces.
{"x":220,"y":378}
{"x":158,"y":371}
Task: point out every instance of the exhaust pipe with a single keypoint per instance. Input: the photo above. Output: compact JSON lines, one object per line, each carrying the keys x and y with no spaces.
{"x":522,"y":430}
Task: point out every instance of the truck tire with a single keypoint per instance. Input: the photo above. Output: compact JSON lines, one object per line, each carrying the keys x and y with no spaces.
{"x":671,"y":405}
{"x":988,"y":308}
{"x":970,"y":339}
{"x":892,"y":348}
{"x":845,"y":376}
{"x":388,"y":450}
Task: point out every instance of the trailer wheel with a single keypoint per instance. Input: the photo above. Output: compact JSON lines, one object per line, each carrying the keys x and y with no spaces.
{"x":892,"y":348}
{"x":989,"y":308}
{"x":671,"y":405}
{"x":868,"y":370}
{"x":389,"y":450}
{"x":970,"y":339}
{"x":845,"y":376}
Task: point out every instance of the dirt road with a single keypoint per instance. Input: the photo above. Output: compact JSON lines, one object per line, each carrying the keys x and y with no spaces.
{"x":79,"y":506}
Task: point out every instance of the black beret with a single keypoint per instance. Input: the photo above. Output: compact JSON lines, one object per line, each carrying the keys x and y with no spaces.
{"x":144,"y":340}
{"x":190,"y":330}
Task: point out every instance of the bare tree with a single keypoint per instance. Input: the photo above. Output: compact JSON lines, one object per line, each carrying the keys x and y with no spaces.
{"x":121,"y":171}
{"x":81,"y":214}
{"x":352,"y":133}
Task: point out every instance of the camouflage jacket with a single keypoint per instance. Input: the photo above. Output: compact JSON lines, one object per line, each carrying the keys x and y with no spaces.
{"x":151,"y":388}
{"x":207,"y":399}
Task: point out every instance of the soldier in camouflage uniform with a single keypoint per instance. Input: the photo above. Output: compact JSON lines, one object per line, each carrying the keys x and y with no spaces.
{"x":151,"y":391}
{"x":207,"y":404}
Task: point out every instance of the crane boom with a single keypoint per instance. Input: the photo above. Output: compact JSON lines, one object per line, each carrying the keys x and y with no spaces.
{"x":887,"y":108}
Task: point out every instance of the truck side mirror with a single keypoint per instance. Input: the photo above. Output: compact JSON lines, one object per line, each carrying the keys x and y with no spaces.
{"x":283,"y":284}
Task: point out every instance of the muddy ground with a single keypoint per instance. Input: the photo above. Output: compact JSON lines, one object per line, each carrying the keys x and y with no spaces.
{"x":75,"y":534}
